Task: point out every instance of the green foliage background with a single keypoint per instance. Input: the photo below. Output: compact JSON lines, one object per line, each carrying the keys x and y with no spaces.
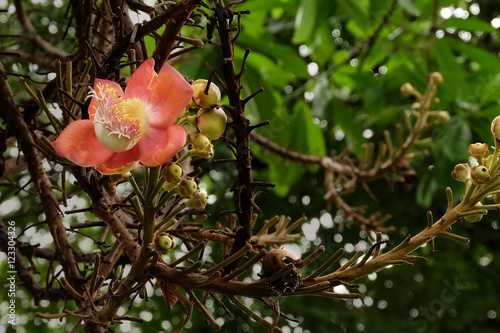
{"x":318,"y":98}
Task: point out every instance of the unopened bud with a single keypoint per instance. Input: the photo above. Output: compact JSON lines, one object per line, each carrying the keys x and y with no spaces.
{"x":202,"y":144}
{"x":461,"y":172}
{"x":443,"y":116}
{"x":488,"y":161}
{"x":474,"y":217}
{"x":198,"y":201}
{"x":480,"y":174}
{"x":478,"y":150}
{"x":173,"y":173}
{"x":436,"y":77}
{"x":205,"y":100}
{"x":186,"y":188}
{"x":495,"y":128}
{"x":211,"y":122}
{"x":164,"y":243}
{"x":407,"y":89}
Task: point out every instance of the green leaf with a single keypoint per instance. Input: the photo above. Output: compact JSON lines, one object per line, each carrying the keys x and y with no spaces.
{"x":305,"y":21}
{"x":454,"y":138}
{"x":469,"y":24}
{"x":409,"y":7}
{"x":427,"y":186}
{"x":354,"y":10}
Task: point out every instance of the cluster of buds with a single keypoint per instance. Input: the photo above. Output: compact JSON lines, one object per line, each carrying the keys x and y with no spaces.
{"x":482,"y":176}
{"x":185,"y":186}
{"x":209,"y":122}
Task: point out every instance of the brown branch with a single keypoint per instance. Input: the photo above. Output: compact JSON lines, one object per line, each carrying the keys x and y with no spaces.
{"x":36,"y":39}
{"x":11,"y":114}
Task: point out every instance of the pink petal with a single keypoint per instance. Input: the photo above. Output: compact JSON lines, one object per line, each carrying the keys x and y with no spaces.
{"x":78,"y":143}
{"x":103,"y":168}
{"x":119,"y":161}
{"x":169,"y":95}
{"x":140,"y":81}
{"x":158,"y":145}
{"x":103,"y":83}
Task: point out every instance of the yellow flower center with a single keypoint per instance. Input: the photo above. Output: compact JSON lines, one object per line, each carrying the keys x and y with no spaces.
{"x":119,"y":124}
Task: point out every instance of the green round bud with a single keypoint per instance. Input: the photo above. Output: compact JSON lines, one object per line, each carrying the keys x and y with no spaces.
{"x":202,"y":99}
{"x":212,"y":122}
{"x":201,"y":143}
{"x":164,"y":243}
{"x":198,"y":201}
{"x":480,"y":174}
{"x":186,"y":188}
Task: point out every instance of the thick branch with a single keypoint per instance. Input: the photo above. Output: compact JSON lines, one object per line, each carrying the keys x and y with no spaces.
{"x":10,"y":113}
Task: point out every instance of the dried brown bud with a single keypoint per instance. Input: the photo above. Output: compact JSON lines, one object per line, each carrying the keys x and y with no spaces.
{"x":461,"y":172}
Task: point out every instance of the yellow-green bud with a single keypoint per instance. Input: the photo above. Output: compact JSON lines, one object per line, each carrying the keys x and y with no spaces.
{"x":205,"y":100}
{"x":480,"y":174}
{"x":211,"y":122}
{"x":461,"y":172}
{"x":198,"y":201}
{"x":173,"y":173}
{"x":186,"y":188}
{"x":488,"y":161}
{"x":164,"y":243}
{"x":202,"y":144}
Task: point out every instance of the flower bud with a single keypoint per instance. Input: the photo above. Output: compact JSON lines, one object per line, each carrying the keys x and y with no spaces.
{"x":461,"y":172}
{"x":205,"y":100}
{"x":495,"y":128}
{"x":488,"y":161}
{"x":478,"y":150}
{"x":202,"y":144}
{"x":173,"y":173}
{"x":164,"y":243}
{"x":496,"y":197}
{"x":443,"y":116}
{"x":198,"y":201}
{"x":436,"y":77}
{"x":475,"y":217}
{"x":407,"y":89}
{"x":480,"y":174}
{"x":186,"y":188}
{"x":211,"y":122}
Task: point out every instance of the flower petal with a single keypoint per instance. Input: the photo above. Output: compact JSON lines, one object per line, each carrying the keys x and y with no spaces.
{"x":120,"y":161}
{"x":158,"y":145}
{"x":100,"y":84}
{"x":169,"y":95}
{"x":103,"y":168}
{"x":78,"y":143}
{"x":140,"y":81}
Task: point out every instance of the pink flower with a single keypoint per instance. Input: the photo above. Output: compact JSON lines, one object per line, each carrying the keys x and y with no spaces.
{"x":126,"y":127}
